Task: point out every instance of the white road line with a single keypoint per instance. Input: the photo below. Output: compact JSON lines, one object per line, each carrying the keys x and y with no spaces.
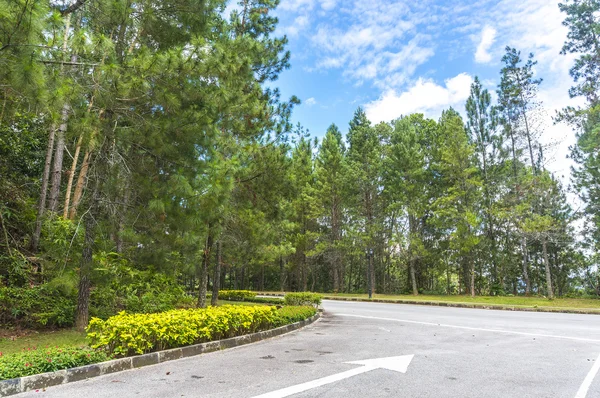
{"x":587,"y":382}
{"x":472,"y":328}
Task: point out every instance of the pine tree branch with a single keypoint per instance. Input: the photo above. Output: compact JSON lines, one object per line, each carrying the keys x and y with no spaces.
{"x":69,"y":63}
{"x":73,"y":7}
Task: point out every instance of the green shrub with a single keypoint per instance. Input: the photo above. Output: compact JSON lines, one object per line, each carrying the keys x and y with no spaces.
{"x":53,"y":304}
{"x":266,"y":300}
{"x":236,"y":295}
{"x":287,"y":315}
{"x":149,"y":294}
{"x":128,"y":334}
{"x":47,"y":360}
{"x":304,"y":298}
{"x":36,"y":307}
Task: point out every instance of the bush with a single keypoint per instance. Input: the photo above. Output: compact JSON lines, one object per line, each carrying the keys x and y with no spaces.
{"x":127,"y":334}
{"x":236,"y":295}
{"x":266,"y":300}
{"x":146,"y":294}
{"x":304,"y":298}
{"x":287,"y":315}
{"x":47,"y":360}
{"x":36,"y":307}
{"x":53,"y":304}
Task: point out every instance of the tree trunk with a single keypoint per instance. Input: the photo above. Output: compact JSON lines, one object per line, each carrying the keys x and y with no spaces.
{"x":216,"y":276}
{"x":304,"y":273}
{"x":202,"y":289}
{"x":71,"y":177}
{"x":79,"y":186}
{"x":525,"y":266}
{"x":281,"y":274}
{"x":413,"y":277}
{"x":85,"y":270}
{"x":57,"y":167}
{"x":121,"y":216}
{"x":35,"y":240}
{"x":472,"y":271}
{"x":550,"y":293}
{"x":64,"y":118}
{"x":335,"y":251}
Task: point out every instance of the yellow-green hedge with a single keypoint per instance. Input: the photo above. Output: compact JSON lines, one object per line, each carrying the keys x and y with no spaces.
{"x":129,"y":334}
{"x":236,"y":295}
{"x":303,"y":298}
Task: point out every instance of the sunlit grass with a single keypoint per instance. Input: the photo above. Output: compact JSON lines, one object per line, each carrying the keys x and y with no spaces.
{"x":495,"y":300}
{"x":517,"y":301}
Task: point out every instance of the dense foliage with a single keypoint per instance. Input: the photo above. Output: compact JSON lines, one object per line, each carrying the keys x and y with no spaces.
{"x":146,"y":156}
{"x":42,"y":360}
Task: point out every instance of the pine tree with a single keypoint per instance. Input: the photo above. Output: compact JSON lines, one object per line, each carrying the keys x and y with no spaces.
{"x":330,"y":178}
{"x":364,"y":161}
{"x":482,"y":123}
{"x":458,"y":209}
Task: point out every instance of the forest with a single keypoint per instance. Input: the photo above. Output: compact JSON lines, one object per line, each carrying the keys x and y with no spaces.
{"x":147,"y":159}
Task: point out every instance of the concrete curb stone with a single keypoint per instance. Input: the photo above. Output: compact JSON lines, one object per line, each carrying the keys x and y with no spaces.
{"x":43,"y":380}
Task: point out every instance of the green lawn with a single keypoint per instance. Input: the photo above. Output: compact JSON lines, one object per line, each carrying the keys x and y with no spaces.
{"x":566,"y":303}
{"x":34,"y":339}
{"x":519,"y":301}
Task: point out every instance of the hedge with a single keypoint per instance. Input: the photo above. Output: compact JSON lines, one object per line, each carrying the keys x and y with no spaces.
{"x":236,"y":295}
{"x":304,"y":298}
{"x":287,"y":315}
{"x":43,"y":360}
{"x":127,"y":334}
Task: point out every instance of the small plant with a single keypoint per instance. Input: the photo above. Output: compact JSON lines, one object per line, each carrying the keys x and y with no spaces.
{"x":42,"y":360}
{"x":304,"y":298}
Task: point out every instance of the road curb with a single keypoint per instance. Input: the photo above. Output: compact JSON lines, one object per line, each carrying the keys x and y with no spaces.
{"x":459,"y":305}
{"x":43,"y":380}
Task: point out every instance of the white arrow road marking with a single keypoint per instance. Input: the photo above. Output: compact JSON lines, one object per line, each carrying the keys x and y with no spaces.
{"x":398,"y":364}
{"x":585,"y":386}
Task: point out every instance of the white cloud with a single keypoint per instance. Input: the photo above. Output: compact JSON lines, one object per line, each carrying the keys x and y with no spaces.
{"x":425,"y":96}
{"x":488,"y":36}
{"x":311,"y":101}
{"x":300,"y":23}
{"x":296,"y":5}
{"x":328,"y":4}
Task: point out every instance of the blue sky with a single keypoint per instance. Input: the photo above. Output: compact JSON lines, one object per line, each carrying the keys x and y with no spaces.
{"x":399,"y":57}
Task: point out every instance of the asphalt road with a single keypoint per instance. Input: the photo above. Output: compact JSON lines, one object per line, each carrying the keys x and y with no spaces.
{"x":456,"y":353}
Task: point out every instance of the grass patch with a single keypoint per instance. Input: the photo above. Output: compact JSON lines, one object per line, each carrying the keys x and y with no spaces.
{"x":247,"y":303}
{"x":29,"y":340}
{"x":519,"y":301}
